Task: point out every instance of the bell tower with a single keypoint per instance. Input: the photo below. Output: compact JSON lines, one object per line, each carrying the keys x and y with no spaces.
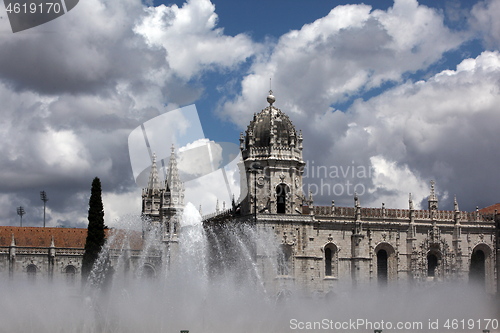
{"x":163,"y":202}
{"x":272,"y":160}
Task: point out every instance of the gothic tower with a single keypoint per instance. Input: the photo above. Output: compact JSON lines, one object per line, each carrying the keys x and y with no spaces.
{"x":163,"y":203}
{"x":273,"y":166}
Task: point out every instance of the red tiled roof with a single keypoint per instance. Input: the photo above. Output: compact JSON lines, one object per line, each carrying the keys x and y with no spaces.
{"x":490,"y":209}
{"x":41,"y":237}
{"x":63,"y":237}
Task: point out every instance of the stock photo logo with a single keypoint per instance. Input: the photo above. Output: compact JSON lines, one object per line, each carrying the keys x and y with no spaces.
{"x":25,"y":14}
{"x":208,"y":169}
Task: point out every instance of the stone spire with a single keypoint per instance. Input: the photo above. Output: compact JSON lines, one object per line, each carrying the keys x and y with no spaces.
{"x":411,"y":229}
{"x":457,"y":210}
{"x":357,"y":207}
{"x":356,"y":200}
{"x":433,"y":201}
{"x":173,"y":181}
{"x":153,"y":183}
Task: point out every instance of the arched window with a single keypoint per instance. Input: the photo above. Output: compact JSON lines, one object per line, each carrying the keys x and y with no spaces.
{"x":284,"y":258}
{"x":31,"y":269}
{"x":281,"y":194}
{"x":432,"y":264}
{"x":148,"y":272}
{"x":382,"y":267}
{"x":386,"y":264}
{"x":70,"y":272}
{"x":477,"y":268}
{"x":330,"y":260}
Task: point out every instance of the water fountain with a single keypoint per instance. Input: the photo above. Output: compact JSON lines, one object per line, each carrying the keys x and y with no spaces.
{"x":189,"y":294}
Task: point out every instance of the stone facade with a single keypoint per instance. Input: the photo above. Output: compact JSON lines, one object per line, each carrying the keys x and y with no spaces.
{"x":320,"y":249}
{"x":30,"y":253}
{"x":55,"y":254}
{"x":276,"y":234}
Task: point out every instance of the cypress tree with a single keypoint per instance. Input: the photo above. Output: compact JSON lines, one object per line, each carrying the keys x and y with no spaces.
{"x":95,"y":231}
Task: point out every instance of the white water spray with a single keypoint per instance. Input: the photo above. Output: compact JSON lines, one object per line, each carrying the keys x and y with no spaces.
{"x":186,"y":295}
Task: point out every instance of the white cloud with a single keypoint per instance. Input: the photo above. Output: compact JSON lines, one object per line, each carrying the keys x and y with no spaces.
{"x":215,"y":187}
{"x":443,"y":128}
{"x":349,"y":51}
{"x":200,"y":157}
{"x":485,"y":21}
{"x":394,"y":183}
{"x":191,"y":39}
{"x":122,"y":210}
{"x":63,"y":150}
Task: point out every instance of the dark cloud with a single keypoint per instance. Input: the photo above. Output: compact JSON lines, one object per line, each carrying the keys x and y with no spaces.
{"x":73,"y":89}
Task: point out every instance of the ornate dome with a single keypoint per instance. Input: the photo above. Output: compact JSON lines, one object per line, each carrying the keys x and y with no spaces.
{"x":270,"y":127}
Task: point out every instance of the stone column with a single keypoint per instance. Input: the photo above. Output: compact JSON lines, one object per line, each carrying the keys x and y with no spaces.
{"x":356,"y":259}
{"x":52,"y":258}
{"x":12,"y":257}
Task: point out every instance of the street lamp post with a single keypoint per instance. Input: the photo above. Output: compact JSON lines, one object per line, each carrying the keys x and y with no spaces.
{"x":21,"y":212}
{"x":43,"y":197}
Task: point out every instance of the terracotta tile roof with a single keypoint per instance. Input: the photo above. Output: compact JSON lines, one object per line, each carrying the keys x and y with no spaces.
{"x":41,"y":237}
{"x":490,"y":209}
{"x":64,"y":237}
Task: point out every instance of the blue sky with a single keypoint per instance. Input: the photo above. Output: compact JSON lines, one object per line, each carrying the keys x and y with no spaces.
{"x":408,"y":90}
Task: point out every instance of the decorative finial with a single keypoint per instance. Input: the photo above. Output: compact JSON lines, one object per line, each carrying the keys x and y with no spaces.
{"x":455,"y":203}
{"x":356,"y":200}
{"x":411,"y":202}
{"x":270,"y":98}
{"x":433,"y":200}
{"x":172,"y":148}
